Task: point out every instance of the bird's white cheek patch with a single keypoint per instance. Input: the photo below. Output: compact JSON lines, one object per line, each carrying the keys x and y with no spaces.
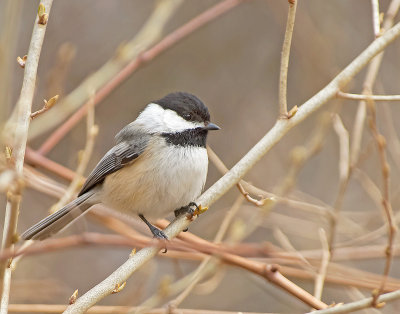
{"x":152,"y":118}
{"x":176,"y":123}
{"x":157,"y":119}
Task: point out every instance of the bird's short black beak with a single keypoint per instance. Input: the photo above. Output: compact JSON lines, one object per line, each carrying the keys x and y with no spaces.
{"x":211,"y":126}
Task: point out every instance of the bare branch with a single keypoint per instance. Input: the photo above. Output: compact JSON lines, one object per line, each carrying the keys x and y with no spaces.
{"x":47,"y":105}
{"x":387,"y":207}
{"x":22,"y":122}
{"x":359,"y":305}
{"x":319,"y":281}
{"x":365,"y":97}
{"x":285,"y":59}
{"x":369,"y":82}
{"x":376,"y":17}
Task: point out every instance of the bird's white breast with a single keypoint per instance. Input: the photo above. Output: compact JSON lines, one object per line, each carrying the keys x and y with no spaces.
{"x":164,"y":178}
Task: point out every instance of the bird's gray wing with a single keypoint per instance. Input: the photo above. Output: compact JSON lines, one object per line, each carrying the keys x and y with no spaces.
{"x":124,"y":152}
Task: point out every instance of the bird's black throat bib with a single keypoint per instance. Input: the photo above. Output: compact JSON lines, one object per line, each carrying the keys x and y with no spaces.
{"x":193,"y":137}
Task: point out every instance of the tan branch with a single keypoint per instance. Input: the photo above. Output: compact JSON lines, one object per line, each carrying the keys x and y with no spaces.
{"x":18,"y":142}
{"x":359,"y":305}
{"x":326,"y":255}
{"x":365,"y":97}
{"x":344,"y":172}
{"x":369,"y":82}
{"x":376,"y":23}
{"x":285,"y":59}
{"x":387,"y":207}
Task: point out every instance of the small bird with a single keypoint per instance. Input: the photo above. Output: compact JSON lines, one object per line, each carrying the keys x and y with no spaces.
{"x":158,"y":165}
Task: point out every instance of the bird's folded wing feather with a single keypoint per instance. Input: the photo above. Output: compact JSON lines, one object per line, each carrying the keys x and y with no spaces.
{"x":116,"y":158}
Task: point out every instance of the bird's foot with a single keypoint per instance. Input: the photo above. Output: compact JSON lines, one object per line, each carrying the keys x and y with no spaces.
{"x":157,"y":233}
{"x":190,"y":210}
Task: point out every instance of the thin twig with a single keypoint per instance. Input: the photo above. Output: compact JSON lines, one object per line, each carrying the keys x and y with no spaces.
{"x":22,"y":121}
{"x":344,"y":171}
{"x":393,"y":139}
{"x":376,"y":17}
{"x":370,"y":77}
{"x":365,"y":97}
{"x":387,"y":207}
{"x":319,"y":281}
{"x":10,"y":22}
{"x":359,"y":305}
{"x":280,"y":128}
{"x":285,"y":60}
{"x":47,"y":105}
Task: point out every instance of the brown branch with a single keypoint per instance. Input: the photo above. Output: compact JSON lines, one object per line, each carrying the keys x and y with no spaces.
{"x":269,"y":272}
{"x":37,"y":159}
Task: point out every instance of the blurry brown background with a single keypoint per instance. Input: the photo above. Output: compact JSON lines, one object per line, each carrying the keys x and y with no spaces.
{"x":232,"y":64}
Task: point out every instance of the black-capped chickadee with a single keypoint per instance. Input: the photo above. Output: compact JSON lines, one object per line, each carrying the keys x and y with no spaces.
{"x":158,"y":165}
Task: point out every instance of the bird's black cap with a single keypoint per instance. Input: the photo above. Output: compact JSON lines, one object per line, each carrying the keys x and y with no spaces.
{"x":186,"y":105}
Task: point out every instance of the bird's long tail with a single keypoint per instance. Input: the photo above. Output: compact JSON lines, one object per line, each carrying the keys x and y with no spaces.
{"x":61,"y":218}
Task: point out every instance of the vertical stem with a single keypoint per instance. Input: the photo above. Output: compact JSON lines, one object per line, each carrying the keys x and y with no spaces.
{"x":375,"y":17}
{"x":285,"y":58}
{"x":18,"y":143}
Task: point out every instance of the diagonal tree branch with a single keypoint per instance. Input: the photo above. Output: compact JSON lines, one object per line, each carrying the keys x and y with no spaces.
{"x":280,"y":129}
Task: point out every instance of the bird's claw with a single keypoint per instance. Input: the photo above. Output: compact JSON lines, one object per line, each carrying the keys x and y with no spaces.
{"x":196,"y":211}
{"x":160,"y":235}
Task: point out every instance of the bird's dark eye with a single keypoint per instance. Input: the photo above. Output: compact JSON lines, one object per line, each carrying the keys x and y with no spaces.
{"x":187,"y":116}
